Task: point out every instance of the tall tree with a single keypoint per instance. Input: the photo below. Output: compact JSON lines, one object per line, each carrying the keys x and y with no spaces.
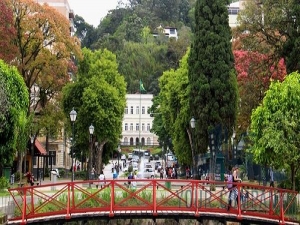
{"x":254,"y":75}
{"x":44,"y":48}
{"x":275,"y":127}
{"x":98,"y":96}
{"x":13,"y":122}
{"x":174,"y":111}
{"x":212,"y":77}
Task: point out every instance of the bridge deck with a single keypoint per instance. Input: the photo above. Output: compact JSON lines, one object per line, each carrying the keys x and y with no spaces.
{"x":181,"y":199}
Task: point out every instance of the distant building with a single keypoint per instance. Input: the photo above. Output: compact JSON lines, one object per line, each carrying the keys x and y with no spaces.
{"x":63,"y":7}
{"x":170,"y":32}
{"x":137,"y":122}
{"x":233,"y":9}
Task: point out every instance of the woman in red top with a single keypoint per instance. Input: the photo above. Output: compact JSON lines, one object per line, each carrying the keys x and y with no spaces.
{"x":29,"y":177}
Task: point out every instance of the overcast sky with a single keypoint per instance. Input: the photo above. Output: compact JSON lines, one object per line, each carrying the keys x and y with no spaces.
{"x":92,"y":11}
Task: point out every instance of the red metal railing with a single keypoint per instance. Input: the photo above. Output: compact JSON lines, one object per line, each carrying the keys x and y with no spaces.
{"x":152,"y":196}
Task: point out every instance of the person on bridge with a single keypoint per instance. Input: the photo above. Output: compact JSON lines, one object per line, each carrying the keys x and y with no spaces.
{"x":102,"y":179}
{"x":233,"y":195}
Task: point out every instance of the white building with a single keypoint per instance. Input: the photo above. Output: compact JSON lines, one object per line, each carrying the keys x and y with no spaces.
{"x":63,"y":7}
{"x":233,"y":10}
{"x":137,"y":122}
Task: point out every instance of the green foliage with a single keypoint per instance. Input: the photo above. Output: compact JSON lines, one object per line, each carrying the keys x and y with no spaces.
{"x":14,"y":105}
{"x":275,"y":127}
{"x":3,"y":183}
{"x":213,"y":86}
{"x":98,"y":96}
{"x":174,"y":109}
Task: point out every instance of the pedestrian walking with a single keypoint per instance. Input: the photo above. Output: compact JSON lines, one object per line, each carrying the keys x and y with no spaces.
{"x":101,"y":179}
{"x":233,"y":196}
{"x":93,"y":172}
{"x":271,"y":177}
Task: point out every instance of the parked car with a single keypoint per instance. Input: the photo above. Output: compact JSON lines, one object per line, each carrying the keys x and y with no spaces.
{"x":129,"y":156}
{"x":146,"y":173}
{"x":150,"y":158}
{"x":156,"y":157}
{"x":123,"y":157}
{"x":148,"y":166}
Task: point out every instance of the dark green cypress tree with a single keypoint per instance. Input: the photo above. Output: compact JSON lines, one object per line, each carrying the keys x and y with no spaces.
{"x":212,"y":77}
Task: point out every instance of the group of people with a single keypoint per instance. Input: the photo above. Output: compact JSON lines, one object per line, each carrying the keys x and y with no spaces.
{"x":171,"y":172}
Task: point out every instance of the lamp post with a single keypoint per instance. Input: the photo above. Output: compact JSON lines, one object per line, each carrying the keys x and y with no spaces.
{"x":193,"y":125}
{"x":91,"y":130}
{"x":119,"y":152}
{"x":32,"y":152}
{"x":73,"y":115}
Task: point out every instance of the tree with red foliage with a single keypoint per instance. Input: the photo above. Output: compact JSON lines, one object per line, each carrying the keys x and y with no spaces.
{"x":254,"y":74}
{"x":7,"y":32}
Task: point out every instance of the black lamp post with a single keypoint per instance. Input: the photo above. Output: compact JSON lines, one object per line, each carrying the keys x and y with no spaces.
{"x":119,"y":152}
{"x":91,"y":130}
{"x":32,"y":152}
{"x":73,"y":115}
{"x":193,"y":125}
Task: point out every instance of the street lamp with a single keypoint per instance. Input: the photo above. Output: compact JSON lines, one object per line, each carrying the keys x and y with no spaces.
{"x":91,"y":130}
{"x":32,"y":151}
{"x":193,"y":125}
{"x":73,"y":115}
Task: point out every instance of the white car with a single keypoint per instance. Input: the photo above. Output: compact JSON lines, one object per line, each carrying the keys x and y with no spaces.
{"x":123,"y":157}
{"x":146,"y":173}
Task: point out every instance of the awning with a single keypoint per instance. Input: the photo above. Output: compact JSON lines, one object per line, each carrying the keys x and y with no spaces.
{"x":38,"y":146}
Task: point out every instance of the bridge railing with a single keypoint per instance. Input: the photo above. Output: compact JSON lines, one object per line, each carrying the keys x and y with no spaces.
{"x":189,"y":198}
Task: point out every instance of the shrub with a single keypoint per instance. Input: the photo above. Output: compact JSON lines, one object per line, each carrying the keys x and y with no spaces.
{"x":3,"y":183}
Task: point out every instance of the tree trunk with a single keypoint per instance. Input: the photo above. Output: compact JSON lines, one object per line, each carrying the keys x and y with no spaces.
{"x":293,"y":176}
{"x":98,"y":158}
{"x":195,"y":174}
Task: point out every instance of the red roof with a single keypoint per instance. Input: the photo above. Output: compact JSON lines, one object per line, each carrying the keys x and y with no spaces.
{"x":40,"y":148}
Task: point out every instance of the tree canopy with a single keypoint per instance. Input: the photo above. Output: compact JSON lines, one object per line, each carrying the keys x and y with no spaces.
{"x":275,"y":127}
{"x":14,"y":104}
{"x":271,"y":27}
{"x":174,"y":110}
{"x":44,"y":48}
{"x":212,"y":78}
{"x":98,"y":96}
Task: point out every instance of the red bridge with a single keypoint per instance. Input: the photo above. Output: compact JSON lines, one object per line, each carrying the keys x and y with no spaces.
{"x":153,"y":199}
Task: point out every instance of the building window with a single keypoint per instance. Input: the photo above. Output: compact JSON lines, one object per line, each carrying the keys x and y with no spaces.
{"x":126,"y":110}
{"x":52,"y":158}
{"x":131,"y":126}
{"x":143,"y":126}
{"x":137,"y":127}
{"x":126,"y":141}
{"x":148,"y":110}
{"x":143,"y":110}
{"x":131,"y":110}
{"x":233,"y":10}
{"x":172,"y":31}
{"x":131,"y":141}
{"x":148,"y":126}
{"x":126,"y":126}
{"x":148,"y":141}
{"x":137,"y":110}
